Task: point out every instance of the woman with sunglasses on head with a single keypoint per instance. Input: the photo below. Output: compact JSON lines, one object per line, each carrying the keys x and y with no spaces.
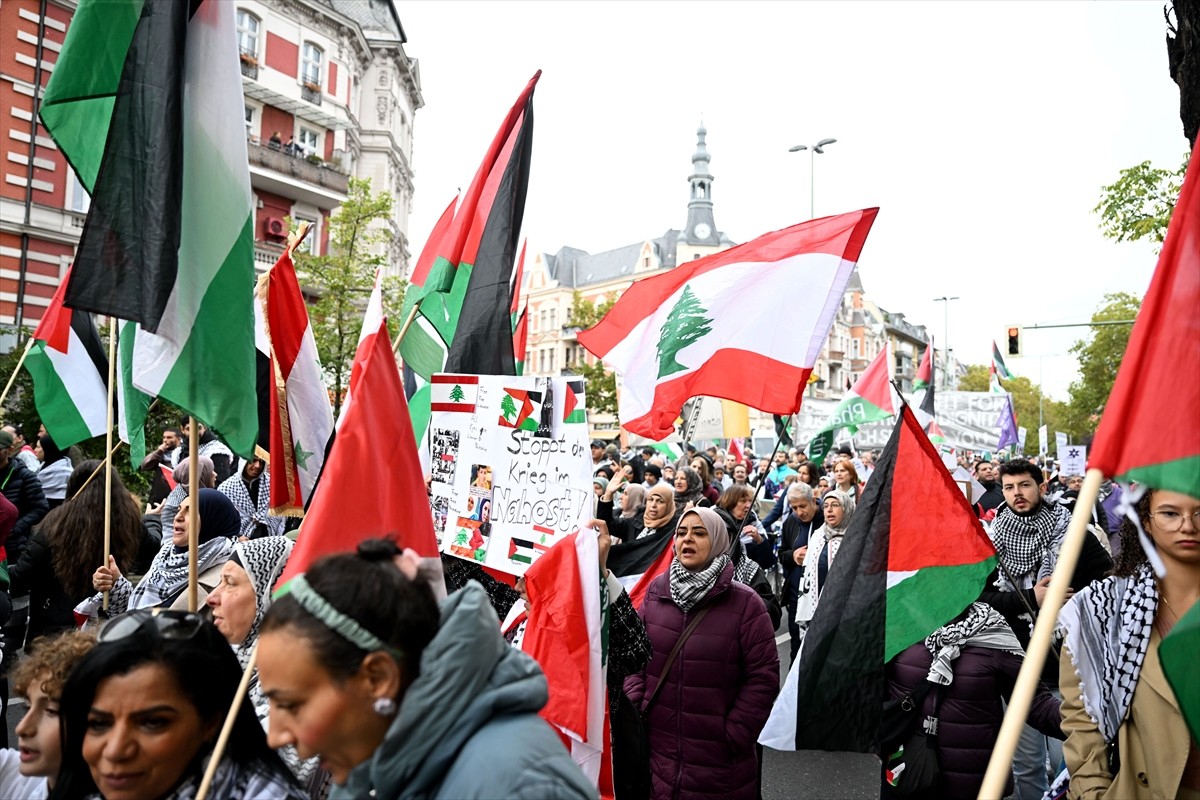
{"x":165,"y":583}
{"x":142,"y":710}
{"x":399,"y":697}
{"x":1126,"y":735}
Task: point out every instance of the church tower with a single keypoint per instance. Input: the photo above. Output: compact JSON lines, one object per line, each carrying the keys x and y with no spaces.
{"x":701,"y":229}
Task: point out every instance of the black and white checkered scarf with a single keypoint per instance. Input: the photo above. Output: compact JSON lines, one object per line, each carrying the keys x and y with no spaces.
{"x":1028,"y":543}
{"x":688,"y":588}
{"x":1107,"y":628}
{"x":983,"y":626}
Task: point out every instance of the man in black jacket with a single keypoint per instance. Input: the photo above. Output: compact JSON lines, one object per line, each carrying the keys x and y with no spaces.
{"x":806,"y":518}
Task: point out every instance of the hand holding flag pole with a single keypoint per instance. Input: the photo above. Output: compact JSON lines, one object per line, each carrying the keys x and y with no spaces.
{"x":108,"y":445}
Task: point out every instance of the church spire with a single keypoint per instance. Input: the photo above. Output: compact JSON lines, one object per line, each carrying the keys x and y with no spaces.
{"x":701,"y":229}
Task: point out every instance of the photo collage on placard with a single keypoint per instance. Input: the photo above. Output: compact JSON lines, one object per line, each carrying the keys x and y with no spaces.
{"x":473,"y":532}
{"x":443,"y":460}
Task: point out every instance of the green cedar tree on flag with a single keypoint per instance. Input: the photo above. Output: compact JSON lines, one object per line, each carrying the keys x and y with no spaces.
{"x":1160,"y":362}
{"x":912,"y":559}
{"x":868,"y":401}
{"x":69,"y":368}
{"x":463,"y":303}
{"x":695,"y":330}
{"x":998,"y":363}
{"x":146,"y":105}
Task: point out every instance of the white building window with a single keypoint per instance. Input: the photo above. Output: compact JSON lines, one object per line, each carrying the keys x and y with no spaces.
{"x":311,"y":243}
{"x":309,"y":142}
{"x":854,"y":348}
{"x":249,"y":120}
{"x":247,"y":33}
{"x":78,"y":200}
{"x":310,"y":69}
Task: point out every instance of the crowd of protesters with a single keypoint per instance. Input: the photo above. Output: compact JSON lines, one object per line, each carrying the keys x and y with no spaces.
{"x":368,"y":678}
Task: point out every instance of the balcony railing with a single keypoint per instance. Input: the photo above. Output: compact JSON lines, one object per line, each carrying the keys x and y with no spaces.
{"x":249,"y":70}
{"x":295,"y":166}
{"x":311,"y":95}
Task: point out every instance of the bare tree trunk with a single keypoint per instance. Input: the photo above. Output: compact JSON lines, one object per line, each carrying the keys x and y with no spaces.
{"x":1183,"y":61}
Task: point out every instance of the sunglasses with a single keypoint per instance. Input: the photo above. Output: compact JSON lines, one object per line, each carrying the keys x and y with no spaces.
{"x":164,"y":623}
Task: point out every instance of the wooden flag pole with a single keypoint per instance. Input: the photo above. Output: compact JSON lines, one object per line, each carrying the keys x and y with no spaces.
{"x":193,"y":511}
{"x":108,"y":446}
{"x":112,"y":452}
{"x":412,"y":315}
{"x":1000,"y":766}
{"x":230,"y":720}
{"x":16,"y":369}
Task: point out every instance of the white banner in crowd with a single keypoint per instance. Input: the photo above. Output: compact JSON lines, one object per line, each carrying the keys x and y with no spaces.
{"x":1060,"y":442}
{"x":1072,"y":460}
{"x":511,"y":466}
{"x":1043,"y":440}
{"x":1022,"y":434}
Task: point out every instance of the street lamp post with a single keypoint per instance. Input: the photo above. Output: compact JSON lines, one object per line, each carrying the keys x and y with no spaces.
{"x":813,"y":149}
{"x":946,"y":367}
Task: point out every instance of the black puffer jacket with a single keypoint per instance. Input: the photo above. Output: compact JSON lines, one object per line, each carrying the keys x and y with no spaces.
{"x":970,"y":713}
{"x":23,"y":490}
{"x":51,"y":610}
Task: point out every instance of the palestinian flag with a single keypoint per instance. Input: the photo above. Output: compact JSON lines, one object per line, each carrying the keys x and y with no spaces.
{"x":133,"y":405}
{"x":868,"y":401}
{"x":998,"y":363}
{"x":574,"y":411}
{"x":936,"y":435}
{"x":520,"y":337}
{"x":454,"y":393}
{"x":924,"y":378}
{"x":1160,"y":362}
{"x":913,"y":558}
{"x":301,"y":416}
{"x":463,"y":304}
{"x":636,"y":564}
{"x":146,"y":105}
{"x":1178,"y":655}
{"x":994,"y":380}
{"x":520,"y":409}
{"x":694,"y":330}
{"x":69,"y":368}
{"x":522,"y":551}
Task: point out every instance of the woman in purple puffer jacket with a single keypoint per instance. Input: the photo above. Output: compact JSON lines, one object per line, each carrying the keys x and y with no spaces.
{"x":705,"y":719}
{"x":974,"y":660}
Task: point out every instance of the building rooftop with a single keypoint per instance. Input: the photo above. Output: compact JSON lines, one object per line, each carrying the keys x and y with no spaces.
{"x":377,"y":18}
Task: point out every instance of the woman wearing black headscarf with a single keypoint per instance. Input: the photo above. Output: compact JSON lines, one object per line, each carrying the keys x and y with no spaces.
{"x":165,"y":584}
{"x":54,"y":473}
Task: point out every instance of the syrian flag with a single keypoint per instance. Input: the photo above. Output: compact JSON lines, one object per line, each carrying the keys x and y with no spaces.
{"x":389,"y":499}
{"x":1007,"y":424}
{"x":636,"y":564}
{"x":151,"y":122}
{"x":69,"y":368}
{"x":463,"y":304}
{"x":998,"y":363}
{"x":913,"y":558}
{"x":1160,"y":362}
{"x":520,"y":409}
{"x":565,"y":634}
{"x":301,"y":419}
{"x":870,"y":400}
{"x":694,"y":330}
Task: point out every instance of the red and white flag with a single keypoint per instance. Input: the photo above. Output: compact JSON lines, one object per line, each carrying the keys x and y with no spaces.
{"x":736,"y":454}
{"x":563,"y":634}
{"x":697,"y":329}
{"x":382,"y":487}
{"x":301,"y":414}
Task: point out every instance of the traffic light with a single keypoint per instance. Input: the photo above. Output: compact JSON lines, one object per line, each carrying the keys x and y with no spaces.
{"x":1014,"y":340}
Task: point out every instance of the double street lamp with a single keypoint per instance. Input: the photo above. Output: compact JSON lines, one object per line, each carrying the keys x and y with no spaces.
{"x":813,"y":150}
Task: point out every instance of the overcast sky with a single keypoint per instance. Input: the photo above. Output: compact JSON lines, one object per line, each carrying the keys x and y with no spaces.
{"x":983,"y":131}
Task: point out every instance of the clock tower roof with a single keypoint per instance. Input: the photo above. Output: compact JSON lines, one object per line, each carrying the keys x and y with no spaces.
{"x":701,"y":228}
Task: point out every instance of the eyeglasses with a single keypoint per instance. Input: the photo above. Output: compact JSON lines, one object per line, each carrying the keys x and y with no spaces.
{"x":832,"y":504}
{"x":1172,"y":521}
{"x":167,"y":624}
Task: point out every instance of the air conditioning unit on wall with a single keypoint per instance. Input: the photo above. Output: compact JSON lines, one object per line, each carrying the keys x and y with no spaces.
{"x":274,"y":227}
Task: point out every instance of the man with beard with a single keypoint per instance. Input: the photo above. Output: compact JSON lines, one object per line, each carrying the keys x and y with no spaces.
{"x":992,"y":497}
{"x":166,"y":454}
{"x":1028,"y":532}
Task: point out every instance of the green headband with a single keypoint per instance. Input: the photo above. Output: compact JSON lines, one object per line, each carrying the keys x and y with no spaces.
{"x":312,"y":602}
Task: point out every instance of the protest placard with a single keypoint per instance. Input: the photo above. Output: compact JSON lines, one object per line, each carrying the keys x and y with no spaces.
{"x":1072,"y":460}
{"x":511,"y":466}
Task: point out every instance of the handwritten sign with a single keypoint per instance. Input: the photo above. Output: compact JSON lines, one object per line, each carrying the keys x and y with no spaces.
{"x":512,"y":470}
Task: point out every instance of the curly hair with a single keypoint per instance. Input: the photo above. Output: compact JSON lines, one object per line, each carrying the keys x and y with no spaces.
{"x":1132,"y":556}
{"x":51,"y":661}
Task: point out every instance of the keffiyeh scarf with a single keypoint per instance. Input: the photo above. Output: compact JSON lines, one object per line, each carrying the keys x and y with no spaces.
{"x":1107,"y":628}
{"x":1028,"y":544}
{"x":263,"y":560}
{"x":688,"y":588}
{"x":168,"y":574}
{"x":251,"y":511}
{"x":983,"y":626}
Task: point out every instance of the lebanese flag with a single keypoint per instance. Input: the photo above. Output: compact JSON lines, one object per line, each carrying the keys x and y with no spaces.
{"x":565,"y":636}
{"x":736,"y":452}
{"x":66,"y":360}
{"x":870,"y":400}
{"x":301,"y":414}
{"x":389,"y":499}
{"x":636,"y":564}
{"x":695,"y":330}
{"x":1161,"y":362}
{"x":914,"y":519}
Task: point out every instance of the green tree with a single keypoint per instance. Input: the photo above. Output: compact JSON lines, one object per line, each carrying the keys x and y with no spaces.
{"x":342,"y":280}
{"x":685,"y":324}
{"x":457,"y":395}
{"x":1139,"y":205}
{"x":601,"y":383}
{"x":1026,"y":396}
{"x":507,"y":407}
{"x":1099,"y":357}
